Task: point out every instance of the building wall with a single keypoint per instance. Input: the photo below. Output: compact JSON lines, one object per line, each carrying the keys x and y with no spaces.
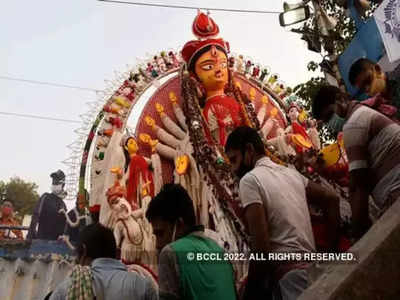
{"x":29,"y":270}
{"x":30,"y":279}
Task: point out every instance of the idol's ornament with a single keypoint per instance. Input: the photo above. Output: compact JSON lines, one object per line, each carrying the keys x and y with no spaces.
{"x":207,"y":62}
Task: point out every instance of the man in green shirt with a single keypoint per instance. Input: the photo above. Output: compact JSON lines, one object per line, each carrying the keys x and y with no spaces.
{"x":182,"y":274}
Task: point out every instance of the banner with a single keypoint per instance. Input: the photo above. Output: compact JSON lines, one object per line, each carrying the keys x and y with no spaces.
{"x":387,"y":17}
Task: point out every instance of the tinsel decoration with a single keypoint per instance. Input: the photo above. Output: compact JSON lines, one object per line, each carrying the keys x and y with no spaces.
{"x":219,"y":176}
{"x":251,"y":118}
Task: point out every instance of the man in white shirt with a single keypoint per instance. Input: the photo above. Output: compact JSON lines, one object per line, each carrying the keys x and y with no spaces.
{"x":276,"y":214}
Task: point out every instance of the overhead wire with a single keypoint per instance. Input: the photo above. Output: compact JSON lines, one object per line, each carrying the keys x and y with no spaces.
{"x":48,"y":83}
{"x":39,"y":117}
{"x":95,"y":90}
{"x":192,"y":7}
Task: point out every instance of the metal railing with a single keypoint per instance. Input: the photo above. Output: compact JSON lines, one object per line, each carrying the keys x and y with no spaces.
{"x":13,"y":227}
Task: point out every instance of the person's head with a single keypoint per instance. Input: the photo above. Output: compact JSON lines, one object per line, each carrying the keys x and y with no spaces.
{"x":58,"y":183}
{"x":330,"y":106}
{"x":243,"y":148}
{"x":206,"y":57}
{"x":7,"y":209}
{"x":368,"y":77}
{"x":95,"y":241}
{"x":171,"y":213}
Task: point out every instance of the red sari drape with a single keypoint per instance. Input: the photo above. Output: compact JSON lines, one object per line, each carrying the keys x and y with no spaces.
{"x":138,"y":167}
{"x":223,"y":106}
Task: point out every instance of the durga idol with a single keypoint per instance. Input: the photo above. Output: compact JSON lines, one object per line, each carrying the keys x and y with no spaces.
{"x":207,"y":62}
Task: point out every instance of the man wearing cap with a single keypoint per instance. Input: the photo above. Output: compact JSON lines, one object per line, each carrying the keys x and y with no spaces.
{"x":47,"y":222}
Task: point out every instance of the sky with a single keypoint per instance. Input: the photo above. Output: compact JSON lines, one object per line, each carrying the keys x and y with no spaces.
{"x":82,"y":43}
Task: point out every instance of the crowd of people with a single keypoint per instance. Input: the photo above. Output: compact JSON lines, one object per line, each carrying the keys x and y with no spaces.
{"x":275,"y":201}
{"x":371,"y":140}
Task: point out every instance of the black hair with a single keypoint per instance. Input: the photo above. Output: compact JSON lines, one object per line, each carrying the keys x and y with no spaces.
{"x":243,"y":135}
{"x":358,"y":67}
{"x":95,"y":216}
{"x":98,"y":240}
{"x":323,"y":98}
{"x":126,"y":154}
{"x":170,"y":204}
{"x":201,"y":52}
{"x":191,"y":68}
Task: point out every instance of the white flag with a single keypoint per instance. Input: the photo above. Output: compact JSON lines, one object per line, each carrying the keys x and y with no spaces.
{"x":387,"y":17}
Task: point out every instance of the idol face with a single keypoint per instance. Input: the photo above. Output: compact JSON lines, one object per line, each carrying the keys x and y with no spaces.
{"x":212,"y":69}
{"x":132,"y":146}
{"x":121,"y":206}
{"x":293,"y":114}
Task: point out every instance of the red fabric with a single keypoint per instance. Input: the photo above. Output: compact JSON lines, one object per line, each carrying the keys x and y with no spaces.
{"x":91,"y":135}
{"x":193,"y":46}
{"x":378,"y":104}
{"x":256,"y":72}
{"x":131,"y":95}
{"x":6,"y":211}
{"x":339,"y":172}
{"x":222,"y":107}
{"x":298,"y":129}
{"x":116,"y":121}
{"x":320,"y":231}
{"x":204,"y":26}
{"x":94,"y":208}
{"x":10,"y":222}
{"x":107,"y":108}
{"x":138,"y":167}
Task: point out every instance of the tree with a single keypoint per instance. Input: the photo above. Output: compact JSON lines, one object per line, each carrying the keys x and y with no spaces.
{"x":334,"y":41}
{"x":306,"y":91}
{"x":22,"y":194}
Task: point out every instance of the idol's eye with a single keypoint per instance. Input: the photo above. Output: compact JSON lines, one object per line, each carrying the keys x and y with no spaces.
{"x":207,"y":67}
{"x":224,"y":65}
